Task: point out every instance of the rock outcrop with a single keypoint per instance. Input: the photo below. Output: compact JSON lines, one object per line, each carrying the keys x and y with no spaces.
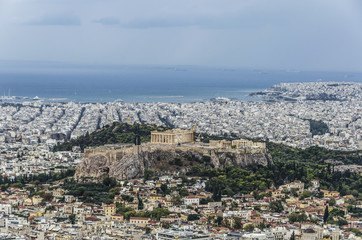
{"x":127,"y":161}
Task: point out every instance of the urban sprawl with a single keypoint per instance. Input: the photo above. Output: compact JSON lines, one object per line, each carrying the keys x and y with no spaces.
{"x":29,"y":130}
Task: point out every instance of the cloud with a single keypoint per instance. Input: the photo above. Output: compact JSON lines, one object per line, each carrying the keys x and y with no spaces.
{"x":251,"y":17}
{"x":171,"y":22}
{"x":60,"y":20}
{"x":108,"y":21}
{"x":308,"y":34}
{"x":159,"y":23}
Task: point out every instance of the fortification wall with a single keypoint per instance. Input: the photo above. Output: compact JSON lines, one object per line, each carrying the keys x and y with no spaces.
{"x":130,"y":161}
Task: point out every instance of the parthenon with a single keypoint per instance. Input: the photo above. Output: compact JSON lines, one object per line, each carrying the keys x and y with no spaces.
{"x":173,"y":136}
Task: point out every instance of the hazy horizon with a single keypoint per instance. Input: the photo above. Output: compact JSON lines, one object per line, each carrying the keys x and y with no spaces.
{"x":146,"y":83}
{"x":306,"y":35}
{"x":67,"y":66}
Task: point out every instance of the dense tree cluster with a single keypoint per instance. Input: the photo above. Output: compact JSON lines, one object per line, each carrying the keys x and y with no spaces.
{"x":128,"y":212}
{"x":316,"y":154}
{"x":318,"y":127}
{"x":111,"y":134}
{"x":286,"y":165}
{"x":41,"y":178}
{"x":289,"y":164}
{"x":295,"y":217}
{"x":92,"y":192}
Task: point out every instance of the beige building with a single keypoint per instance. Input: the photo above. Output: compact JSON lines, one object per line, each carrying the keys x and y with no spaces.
{"x":68,"y":209}
{"x":109,"y":209}
{"x":238,"y":144}
{"x":312,"y":234}
{"x":139,"y":221}
{"x":220,"y":143}
{"x":36,"y":200}
{"x":58,"y":193}
{"x":173,"y":136}
{"x":117,"y":217}
{"x":296,"y":184}
{"x":244,"y":143}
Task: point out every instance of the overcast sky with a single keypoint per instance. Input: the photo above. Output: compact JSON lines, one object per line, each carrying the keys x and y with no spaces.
{"x":277,"y":34}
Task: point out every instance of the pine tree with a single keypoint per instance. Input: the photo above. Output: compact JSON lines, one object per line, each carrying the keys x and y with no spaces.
{"x":326,"y":215}
{"x":293,"y":236}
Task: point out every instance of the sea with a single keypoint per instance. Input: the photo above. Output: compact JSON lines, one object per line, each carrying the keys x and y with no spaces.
{"x":176,"y":84}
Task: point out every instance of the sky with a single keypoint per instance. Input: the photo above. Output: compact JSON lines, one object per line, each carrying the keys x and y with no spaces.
{"x":269,"y":34}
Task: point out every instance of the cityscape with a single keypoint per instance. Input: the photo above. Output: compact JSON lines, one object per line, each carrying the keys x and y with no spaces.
{"x":37,"y":201}
{"x":182,"y":119}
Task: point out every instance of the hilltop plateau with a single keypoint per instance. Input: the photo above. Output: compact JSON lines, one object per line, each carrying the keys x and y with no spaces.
{"x":124,"y":160}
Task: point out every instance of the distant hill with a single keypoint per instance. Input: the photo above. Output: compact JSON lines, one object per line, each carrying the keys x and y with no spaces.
{"x":126,"y":133}
{"x":312,"y":155}
{"x":110,"y":134}
{"x":234,"y":174}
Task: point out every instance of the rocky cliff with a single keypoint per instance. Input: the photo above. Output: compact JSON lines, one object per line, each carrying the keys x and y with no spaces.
{"x":128,"y":161}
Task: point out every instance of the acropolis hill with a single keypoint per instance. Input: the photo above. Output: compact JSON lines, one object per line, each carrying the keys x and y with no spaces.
{"x":169,"y":152}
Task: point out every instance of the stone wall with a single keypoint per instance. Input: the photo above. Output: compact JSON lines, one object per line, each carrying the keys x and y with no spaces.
{"x":242,"y":145}
{"x":174,"y":136}
{"x":129,"y":161}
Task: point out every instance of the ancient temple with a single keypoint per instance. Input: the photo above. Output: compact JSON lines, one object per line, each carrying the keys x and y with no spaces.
{"x":173,"y":136}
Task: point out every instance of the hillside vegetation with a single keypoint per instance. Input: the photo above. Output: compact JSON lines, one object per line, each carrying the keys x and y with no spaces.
{"x":111,"y":134}
{"x":318,"y":127}
{"x":288,"y":164}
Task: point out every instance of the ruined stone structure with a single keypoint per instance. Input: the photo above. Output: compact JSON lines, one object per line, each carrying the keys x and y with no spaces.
{"x":220,"y":144}
{"x":244,"y":143}
{"x":173,"y":136}
{"x":240,"y":144}
{"x":126,"y":161}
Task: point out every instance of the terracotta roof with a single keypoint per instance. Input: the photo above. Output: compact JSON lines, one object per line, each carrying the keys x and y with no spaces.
{"x":139,"y":218}
{"x":92,"y":218}
{"x":191,"y":196}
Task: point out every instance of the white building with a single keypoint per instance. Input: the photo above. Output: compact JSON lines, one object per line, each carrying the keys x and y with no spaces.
{"x":189,"y":200}
{"x":6,"y":208}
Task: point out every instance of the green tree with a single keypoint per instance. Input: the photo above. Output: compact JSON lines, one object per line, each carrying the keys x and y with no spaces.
{"x":342,"y":222}
{"x":166,"y":225}
{"x":178,"y":162}
{"x":318,"y":127}
{"x":261,"y":226}
{"x":237,"y":223}
{"x":357,"y":232}
{"x":219,"y":220}
{"x":177,"y":200}
{"x":47,"y":197}
{"x":114,"y":191}
{"x":249,"y":227}
{"x":294,"y":217}
{"x":293,"y":236}
{"x":72,"y":218}
{"x":276,"y":206}
{"x":140,"y":204}
{"x":326,"y":215}
{"x":165,"y":189}
{"x":147,"y":175}
{"x":159,"y":212}
{"x":183,"y":192}
{"x":234,"y":205}
{"x":109,"y":182}
{"x":193,"y":217}
{"x":332,"y":202}
{"x":127,"y":198}
{"x":305,"y":194}
{"x":129,"y":214}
